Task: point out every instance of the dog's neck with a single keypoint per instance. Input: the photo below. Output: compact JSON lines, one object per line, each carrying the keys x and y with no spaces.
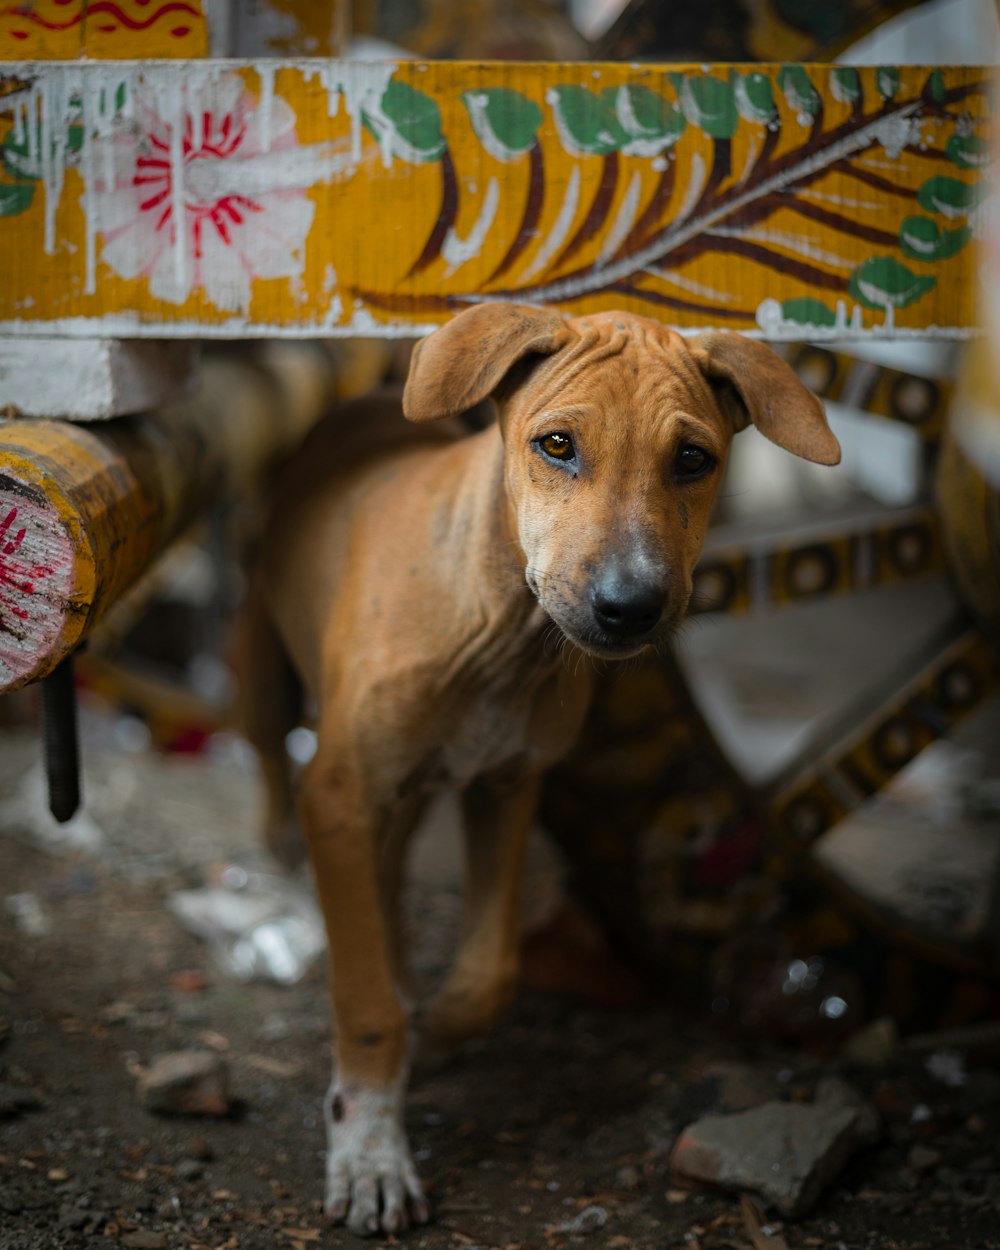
{"x":483,"y":520}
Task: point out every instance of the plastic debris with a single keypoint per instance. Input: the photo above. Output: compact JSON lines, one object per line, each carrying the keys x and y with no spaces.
{"x":260,"y":923}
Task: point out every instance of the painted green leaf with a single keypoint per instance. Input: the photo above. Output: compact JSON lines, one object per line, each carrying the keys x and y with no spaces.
{"x":15,"y":197}
{"x":882,"y":282}
{"x":587,"y":124}
{"x":650,"y":122}
{"x":708,"y":103}
{"x":887,"y":81}
{"x":22,"y":163}
{"x":798,"y":90}
{"x":845,"y":84}
{"x":934,"y":86}
{"x":120,"y":96}
{"x":921,"y":239}
{"x":19,"y":161}
{"x":408,"y":122}
{"x":505,"y":121}
{"x":968,"y":151}
{"x":755,"y":97}
{"x":808,"y":312}
{"x":950,"y":197}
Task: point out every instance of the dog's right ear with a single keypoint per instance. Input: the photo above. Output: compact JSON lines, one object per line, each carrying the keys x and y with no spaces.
{"x":467,"y":358}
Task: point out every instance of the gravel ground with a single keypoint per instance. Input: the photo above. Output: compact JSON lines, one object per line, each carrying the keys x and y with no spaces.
{"x":553,"y":1132}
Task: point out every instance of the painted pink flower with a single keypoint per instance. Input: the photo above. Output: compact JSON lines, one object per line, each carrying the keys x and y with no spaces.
{"x":36,"y":571}
{"x":199,"y":195}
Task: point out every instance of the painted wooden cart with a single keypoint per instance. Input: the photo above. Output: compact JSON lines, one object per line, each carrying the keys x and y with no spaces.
{"x":148,"y":203}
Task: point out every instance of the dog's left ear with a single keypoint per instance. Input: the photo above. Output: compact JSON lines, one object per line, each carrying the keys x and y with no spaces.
{"x":753,"y":383}
{"x":467,"y":358}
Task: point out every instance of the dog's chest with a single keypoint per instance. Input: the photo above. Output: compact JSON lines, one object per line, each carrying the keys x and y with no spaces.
{"x":491,"y":733}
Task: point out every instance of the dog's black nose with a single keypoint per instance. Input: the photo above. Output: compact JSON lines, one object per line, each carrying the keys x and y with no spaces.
{"x":626,"y":607}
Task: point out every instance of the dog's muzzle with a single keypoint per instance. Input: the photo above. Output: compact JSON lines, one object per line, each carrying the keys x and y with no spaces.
{"x":626,"y":608}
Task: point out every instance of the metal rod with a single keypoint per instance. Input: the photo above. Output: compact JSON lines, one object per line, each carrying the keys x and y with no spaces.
{"x":62,"y":753}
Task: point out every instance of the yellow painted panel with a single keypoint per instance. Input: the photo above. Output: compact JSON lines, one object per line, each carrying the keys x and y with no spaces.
{"x":133,"y":29}
{"x":41,"y":30}
{"x":61,"y":30}
{"x":325,"y":197}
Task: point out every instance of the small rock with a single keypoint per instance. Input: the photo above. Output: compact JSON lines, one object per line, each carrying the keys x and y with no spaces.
{"x":189,"y":1170}
{"x":874,"y":1046}
{"x":186,"y":1082}
{"x":787,"y":1152}
{"x":834,"y":1091}
{"x":923,"y":1159}
{"x":144,"y":1239}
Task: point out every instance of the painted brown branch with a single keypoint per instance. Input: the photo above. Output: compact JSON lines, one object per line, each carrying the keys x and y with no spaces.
{"x":661,"y":299}
{"x":777,"y":179}
{"x":845,"y":225}
{"x":776,"y":261}
{"x":598,"y":211}
{"x":446,"y":219}
{"x":722,"y":167}
{"x":873,"y":180}
{"x":532,"y":212}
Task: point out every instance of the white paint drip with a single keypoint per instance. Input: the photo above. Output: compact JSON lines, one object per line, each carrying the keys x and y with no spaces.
{"x":774,"y":324}
{"x":624,"y":220}
{"x":101,"y":100}
{"x":561,"y":227}
{"x":266,"y":72}
{"x":362,"y":85}
{"x":457,"y":251}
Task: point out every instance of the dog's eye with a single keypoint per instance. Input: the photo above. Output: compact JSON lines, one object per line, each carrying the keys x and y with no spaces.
{"x":693,"y":461}
{"x":557,"y":446}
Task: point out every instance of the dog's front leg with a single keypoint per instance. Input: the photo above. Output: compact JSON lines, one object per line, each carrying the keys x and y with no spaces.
{"x":497,"y":817}
{"x":371,"y":1182}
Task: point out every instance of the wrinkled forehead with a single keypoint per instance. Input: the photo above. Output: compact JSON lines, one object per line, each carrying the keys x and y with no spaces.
{"x":617,"y":357}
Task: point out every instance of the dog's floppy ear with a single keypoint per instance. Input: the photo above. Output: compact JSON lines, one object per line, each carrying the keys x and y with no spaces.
{"x":466,"y":359}
{"x":753,"y":383}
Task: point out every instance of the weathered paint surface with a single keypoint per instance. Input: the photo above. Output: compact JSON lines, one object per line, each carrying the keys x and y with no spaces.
{"x":342,"y":198}
{"x":63,"y":30}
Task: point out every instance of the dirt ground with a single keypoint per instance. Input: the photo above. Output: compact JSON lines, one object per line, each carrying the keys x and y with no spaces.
{"x":554,"y":1132}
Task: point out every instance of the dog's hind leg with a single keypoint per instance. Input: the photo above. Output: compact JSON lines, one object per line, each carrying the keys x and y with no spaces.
{"x":270,"y":704}
{"x":371,"y":1182}
{"x":498,"y":815}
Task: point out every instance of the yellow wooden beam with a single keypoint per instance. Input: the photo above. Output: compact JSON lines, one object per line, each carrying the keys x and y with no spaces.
{"x":324,"y":197}
{"x":84,"y":509}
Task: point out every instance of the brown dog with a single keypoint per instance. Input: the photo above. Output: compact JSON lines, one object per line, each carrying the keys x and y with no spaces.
{"x":434,"y":593}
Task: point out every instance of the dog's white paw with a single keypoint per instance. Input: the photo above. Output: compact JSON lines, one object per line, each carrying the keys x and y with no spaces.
{"x":371,"y":1183}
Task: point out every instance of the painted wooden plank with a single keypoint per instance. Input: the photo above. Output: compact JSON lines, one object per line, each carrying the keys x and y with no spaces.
{"x":331,"y":198}
{"x":102,"y":29}
{"x":92,"y":380}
